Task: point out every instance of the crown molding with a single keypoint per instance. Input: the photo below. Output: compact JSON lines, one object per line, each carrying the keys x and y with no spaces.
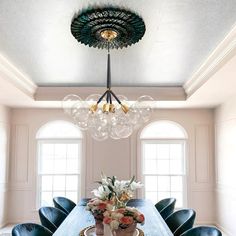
{"x":223,"y":53}
{"x":15,"y":77}
{"x":158,"y":93}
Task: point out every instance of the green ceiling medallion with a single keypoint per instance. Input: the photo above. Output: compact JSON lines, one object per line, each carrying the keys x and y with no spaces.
{"x":113,"y":26}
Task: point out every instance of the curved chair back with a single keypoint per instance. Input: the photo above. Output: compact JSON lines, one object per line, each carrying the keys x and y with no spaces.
{"x":64,"y":204}
{"x":30,"y":229}
{"x":51,"y":217}
{"x":202,"y":231}
{"x":181,"y":221}
{"x":166,"y":207}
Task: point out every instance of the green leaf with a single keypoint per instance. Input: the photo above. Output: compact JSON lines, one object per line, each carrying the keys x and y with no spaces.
{"x":110,"y":196}
{"x":113,"y":180}
{"x":110,"y":188}
{"x":132,"y":180}
{"x":109,"y":178}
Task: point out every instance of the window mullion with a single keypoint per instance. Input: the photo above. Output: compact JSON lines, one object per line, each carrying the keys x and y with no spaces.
{"x":52,"y":170}
{"x":170,"y":166}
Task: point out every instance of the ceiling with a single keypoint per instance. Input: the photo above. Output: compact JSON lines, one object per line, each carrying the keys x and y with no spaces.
{"x":35,"y":37}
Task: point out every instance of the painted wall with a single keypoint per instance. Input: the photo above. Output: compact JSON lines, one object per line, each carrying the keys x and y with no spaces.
{"x":225,"y":152}
{"x":4,"y":161}
{"x":113,"y":157}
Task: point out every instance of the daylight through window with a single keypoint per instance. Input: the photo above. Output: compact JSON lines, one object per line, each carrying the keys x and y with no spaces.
{"x":59,"y":158}
{"x":163,"y":162}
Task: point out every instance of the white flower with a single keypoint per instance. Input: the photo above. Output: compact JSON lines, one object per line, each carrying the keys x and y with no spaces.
{"x":134,"y":185}
{"x":117,"y":186}
{"x":116,"y":216}
{"x":106,"y":214}
{"x":114,"y":224}
{"x":102,"y":192}
{"x":109,"y":207}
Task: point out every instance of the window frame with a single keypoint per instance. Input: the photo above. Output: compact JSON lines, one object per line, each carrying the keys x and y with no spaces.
{"x":183,"y":175}
{"x":41,"y":141}
{"x":139,"y":162}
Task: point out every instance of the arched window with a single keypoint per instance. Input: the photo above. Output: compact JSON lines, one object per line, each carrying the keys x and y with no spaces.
{"x":59,"y":158}
{"x":163,"y":161}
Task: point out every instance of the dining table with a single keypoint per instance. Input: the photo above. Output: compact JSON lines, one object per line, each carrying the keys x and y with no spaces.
{"x":79,"y":218}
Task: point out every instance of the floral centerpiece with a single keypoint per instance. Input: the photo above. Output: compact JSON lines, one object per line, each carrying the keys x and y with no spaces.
{"x":98,"y":207}
{"x":120,"y":191}
{"x":109,"y":206}
{"x":123,"y":221}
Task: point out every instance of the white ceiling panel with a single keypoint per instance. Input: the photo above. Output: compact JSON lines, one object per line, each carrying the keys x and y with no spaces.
{"x":180,"y":34}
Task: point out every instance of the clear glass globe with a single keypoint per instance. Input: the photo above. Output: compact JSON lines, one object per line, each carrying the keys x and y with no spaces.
{"x":135,"y":116}
{"x":92,"y":119}
{"x":69,"y":101}
{"x":92,"y":99}
{"x":80,"y":113}
{"x":122,"y":127}
{"x":112,"y":124}
{"x":144,"y":107}
{"x":113,"y":135}
{"x":98,"y":127}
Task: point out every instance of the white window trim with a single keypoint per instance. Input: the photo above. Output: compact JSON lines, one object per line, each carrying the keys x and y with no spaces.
{"x":40,"y":141}
{"x":140,"y":164}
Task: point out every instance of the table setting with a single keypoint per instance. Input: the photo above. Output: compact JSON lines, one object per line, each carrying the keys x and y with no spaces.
{"x":113,"y":212}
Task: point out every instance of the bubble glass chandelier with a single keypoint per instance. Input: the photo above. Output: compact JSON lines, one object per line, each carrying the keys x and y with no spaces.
{"x":108,"y":115}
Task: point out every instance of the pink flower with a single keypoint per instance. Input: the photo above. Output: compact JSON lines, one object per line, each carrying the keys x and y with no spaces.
{"x":126,"y":220}
{"x":102,"y":206}
{"x":107,"y":220}
{"x":120,"y":210}
{"x":140,"y":218}
{"x":110,"y":202}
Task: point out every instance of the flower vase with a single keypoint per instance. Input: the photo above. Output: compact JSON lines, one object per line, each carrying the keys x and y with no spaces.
{"x":99,"y":227}
{"x":129,"y":231}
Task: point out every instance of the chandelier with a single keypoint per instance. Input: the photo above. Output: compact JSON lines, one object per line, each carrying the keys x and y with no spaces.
{"x":108,"y":115}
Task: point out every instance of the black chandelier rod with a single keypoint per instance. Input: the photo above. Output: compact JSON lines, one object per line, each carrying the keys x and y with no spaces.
{"x":109,"y":94}
{"x":108,"y":68}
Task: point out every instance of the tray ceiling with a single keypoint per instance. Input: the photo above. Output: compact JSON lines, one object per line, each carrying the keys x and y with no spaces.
{"x":35,"y":37}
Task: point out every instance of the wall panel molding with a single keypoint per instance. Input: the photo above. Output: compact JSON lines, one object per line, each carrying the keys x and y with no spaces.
{"x":21,"y":153}
{"x":4,"y":147}
{"x":202,"y":157}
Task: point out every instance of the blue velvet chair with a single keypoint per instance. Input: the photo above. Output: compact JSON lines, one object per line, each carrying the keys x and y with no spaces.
{"x":181,"y":221}
{"x":30,"y":229}
{"x":202,"y":231}
{"x":51,"y":217}
{"x":64,"y":204}
{"x":166,"y":207}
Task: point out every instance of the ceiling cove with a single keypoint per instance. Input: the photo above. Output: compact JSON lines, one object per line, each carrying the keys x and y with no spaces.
{"x":180,"y":35}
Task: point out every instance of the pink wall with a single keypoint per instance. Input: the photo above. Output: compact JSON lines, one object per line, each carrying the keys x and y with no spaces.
{"x":113,"y":157}
{"x":225,"y":151}
{"x":4,"y":161}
